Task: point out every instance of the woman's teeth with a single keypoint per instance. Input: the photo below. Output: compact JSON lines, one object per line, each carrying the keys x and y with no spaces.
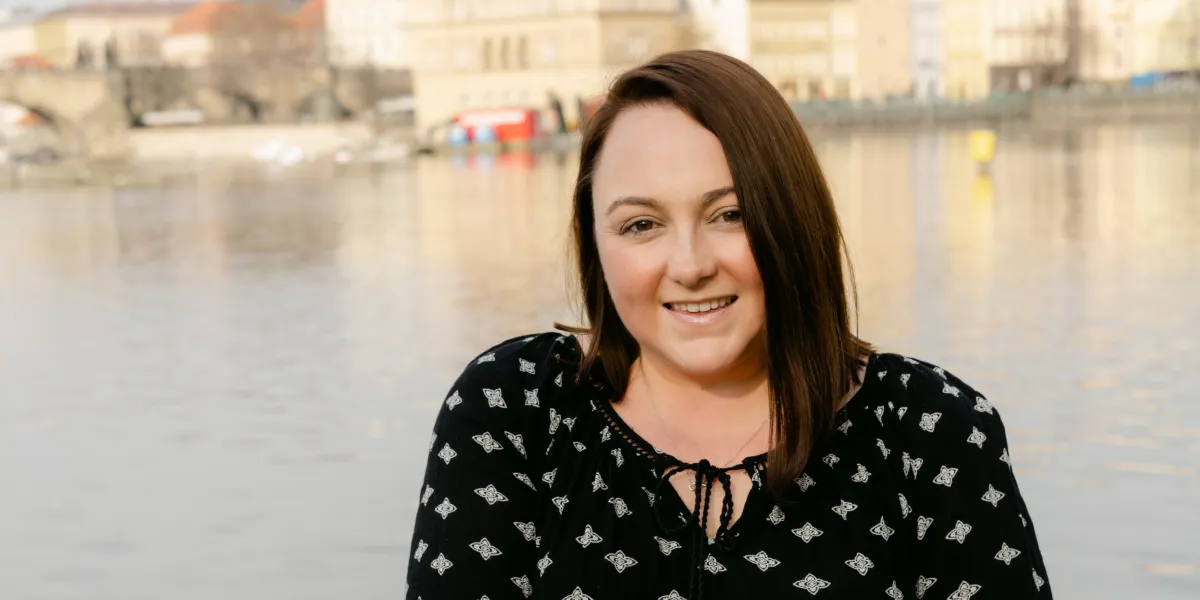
{"x":702,"y":307}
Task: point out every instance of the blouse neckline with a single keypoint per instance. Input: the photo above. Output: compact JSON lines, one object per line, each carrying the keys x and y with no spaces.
{"x":648,"y":451}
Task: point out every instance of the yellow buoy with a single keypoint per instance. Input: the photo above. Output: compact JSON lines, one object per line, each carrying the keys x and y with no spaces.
{"x":983,"y":145}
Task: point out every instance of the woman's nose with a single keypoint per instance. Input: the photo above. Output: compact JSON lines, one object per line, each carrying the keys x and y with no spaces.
{"x":691,"y":261}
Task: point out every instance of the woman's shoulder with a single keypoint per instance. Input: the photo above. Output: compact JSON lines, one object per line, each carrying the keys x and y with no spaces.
{"x":933,"y":403}
{"x":511,"y":385}
{"x":526,"y":362}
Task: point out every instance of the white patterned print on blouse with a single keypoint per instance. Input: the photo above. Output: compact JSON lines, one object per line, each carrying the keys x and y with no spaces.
{"x":942,"y":518}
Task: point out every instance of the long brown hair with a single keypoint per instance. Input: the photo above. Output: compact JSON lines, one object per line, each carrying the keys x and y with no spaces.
{"x":793,"y":230}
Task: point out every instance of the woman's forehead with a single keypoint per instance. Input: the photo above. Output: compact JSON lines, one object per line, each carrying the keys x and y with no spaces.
{"x":658,"y":152}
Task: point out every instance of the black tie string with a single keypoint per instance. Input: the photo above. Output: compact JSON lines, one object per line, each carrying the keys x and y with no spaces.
{"x":706,"y":477}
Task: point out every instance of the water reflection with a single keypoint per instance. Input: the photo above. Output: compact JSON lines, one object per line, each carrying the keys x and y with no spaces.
{"x":225,"y":388}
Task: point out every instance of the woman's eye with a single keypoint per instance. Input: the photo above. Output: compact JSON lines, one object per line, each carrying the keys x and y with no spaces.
{"x":731,"y":216}
{"x":640,"y":226}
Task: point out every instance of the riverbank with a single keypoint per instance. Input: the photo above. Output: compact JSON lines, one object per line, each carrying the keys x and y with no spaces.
{"x":262,"y":143}
{"x":1040,"y":110}
{"x":161,"y":154}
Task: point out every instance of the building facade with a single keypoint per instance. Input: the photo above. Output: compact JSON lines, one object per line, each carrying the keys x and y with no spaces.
{"x":1165,"y":35}
{"x":883,"y":61}
{"x":95,"y":35}
{"x":964,"y":35}
{"x":367,"y":33}
{"x":807,"y":49}
{"x":473,"y":54}
{"x":16,"y":34}
{"x":1029,"y":43}
{"x":815,"y":49}
{"x":228,"y":33}
{"x":925,"y":48}
{"x":195,"y":35}
{"x":1105,"y":41}
{"x":719,"y":25}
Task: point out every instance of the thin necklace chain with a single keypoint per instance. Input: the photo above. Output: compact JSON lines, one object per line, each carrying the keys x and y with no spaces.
{"x":667,"y":429}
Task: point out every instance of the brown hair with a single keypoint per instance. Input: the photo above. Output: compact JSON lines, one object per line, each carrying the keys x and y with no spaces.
{"x":789,"y":217}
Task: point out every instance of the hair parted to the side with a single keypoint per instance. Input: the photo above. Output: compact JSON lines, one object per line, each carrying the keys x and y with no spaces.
{"x":788,"y":213}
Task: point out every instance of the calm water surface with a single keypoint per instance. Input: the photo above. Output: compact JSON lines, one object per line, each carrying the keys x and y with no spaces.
{"x":224,"y":389}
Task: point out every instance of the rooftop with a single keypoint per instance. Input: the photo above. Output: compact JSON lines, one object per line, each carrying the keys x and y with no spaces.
{"x":311,"y":16}
{"x":110,"y":8}
{"x":205,"y":17}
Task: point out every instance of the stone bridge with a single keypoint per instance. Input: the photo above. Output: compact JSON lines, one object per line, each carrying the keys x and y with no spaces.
{"x":93,"y":111}
{"x":84,"y":108}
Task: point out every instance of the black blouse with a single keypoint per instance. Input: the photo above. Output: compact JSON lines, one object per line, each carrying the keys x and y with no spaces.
{"x":535,"y":487}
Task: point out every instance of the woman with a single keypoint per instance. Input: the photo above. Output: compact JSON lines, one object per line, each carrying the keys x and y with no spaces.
{"x":717,"y":431}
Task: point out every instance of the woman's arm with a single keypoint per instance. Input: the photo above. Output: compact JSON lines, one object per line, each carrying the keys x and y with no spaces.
{"x":475,"y":534}
{"x":974,"y":535}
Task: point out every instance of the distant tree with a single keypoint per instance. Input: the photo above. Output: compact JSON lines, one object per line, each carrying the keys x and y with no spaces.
{"x":83,"y":56}
{"x":110,"y":54}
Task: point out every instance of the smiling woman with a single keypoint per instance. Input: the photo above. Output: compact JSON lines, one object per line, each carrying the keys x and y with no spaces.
{"x":716,"y":430}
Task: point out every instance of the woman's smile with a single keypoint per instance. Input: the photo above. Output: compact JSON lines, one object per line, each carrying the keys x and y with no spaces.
{"x":703,"y":312}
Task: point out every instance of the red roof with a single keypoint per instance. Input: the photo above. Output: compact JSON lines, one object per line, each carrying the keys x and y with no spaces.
{"x":310,"y":17}
{"x":215,"y":16}
{"x":29,"y":62}
{"x":206,"y":17}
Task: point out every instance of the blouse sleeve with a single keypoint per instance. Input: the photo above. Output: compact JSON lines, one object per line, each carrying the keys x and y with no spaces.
{"x":974,"y":536}
{"x":474,"y":534}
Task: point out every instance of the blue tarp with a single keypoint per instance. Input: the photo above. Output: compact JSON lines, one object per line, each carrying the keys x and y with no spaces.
{"x":1145,"y":80}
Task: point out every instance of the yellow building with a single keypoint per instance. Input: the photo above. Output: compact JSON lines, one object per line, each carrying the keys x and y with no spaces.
{"x":134,"y":31}
{"x":964,"y":53}
{"x":813,"y":49}
{"x":469,"y":54}
{"x":883,"y":45}
{"x":807,"y":49}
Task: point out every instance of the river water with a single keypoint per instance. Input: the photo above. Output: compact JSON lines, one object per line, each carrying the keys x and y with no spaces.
{"x":223,"y":388}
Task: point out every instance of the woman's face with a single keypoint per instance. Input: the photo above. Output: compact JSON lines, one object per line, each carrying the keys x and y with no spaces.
{"x":671,"y":243}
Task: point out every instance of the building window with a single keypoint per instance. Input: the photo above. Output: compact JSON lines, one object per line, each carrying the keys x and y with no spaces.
{"x":487,"y":54}
{"x":637,"y":47}
{"x":843,"y":25}
{"x":523,"y":53}
{"x":843,"y":63}
{"x":815,"y":63}
{"x":843,"y":89}
{"x":548,"y":52}
{"x":504,"y":53}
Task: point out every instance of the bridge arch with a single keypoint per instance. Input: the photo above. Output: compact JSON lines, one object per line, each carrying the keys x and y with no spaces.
{"x":90,"y":119}
{"x":69,"y":139}
{"x":320,"y":103}
{"x":221,"y":105}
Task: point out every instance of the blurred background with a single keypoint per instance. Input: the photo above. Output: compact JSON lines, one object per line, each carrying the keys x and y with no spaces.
{"x":245,"y":247}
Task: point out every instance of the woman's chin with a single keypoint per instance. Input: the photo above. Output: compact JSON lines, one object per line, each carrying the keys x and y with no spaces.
{"x":709,"y":361}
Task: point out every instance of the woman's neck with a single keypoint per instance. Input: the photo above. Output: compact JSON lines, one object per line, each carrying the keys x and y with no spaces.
{"x":712,"y":404}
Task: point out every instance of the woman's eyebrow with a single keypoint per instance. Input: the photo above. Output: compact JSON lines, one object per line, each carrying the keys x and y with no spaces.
{"x":705,"y":199}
